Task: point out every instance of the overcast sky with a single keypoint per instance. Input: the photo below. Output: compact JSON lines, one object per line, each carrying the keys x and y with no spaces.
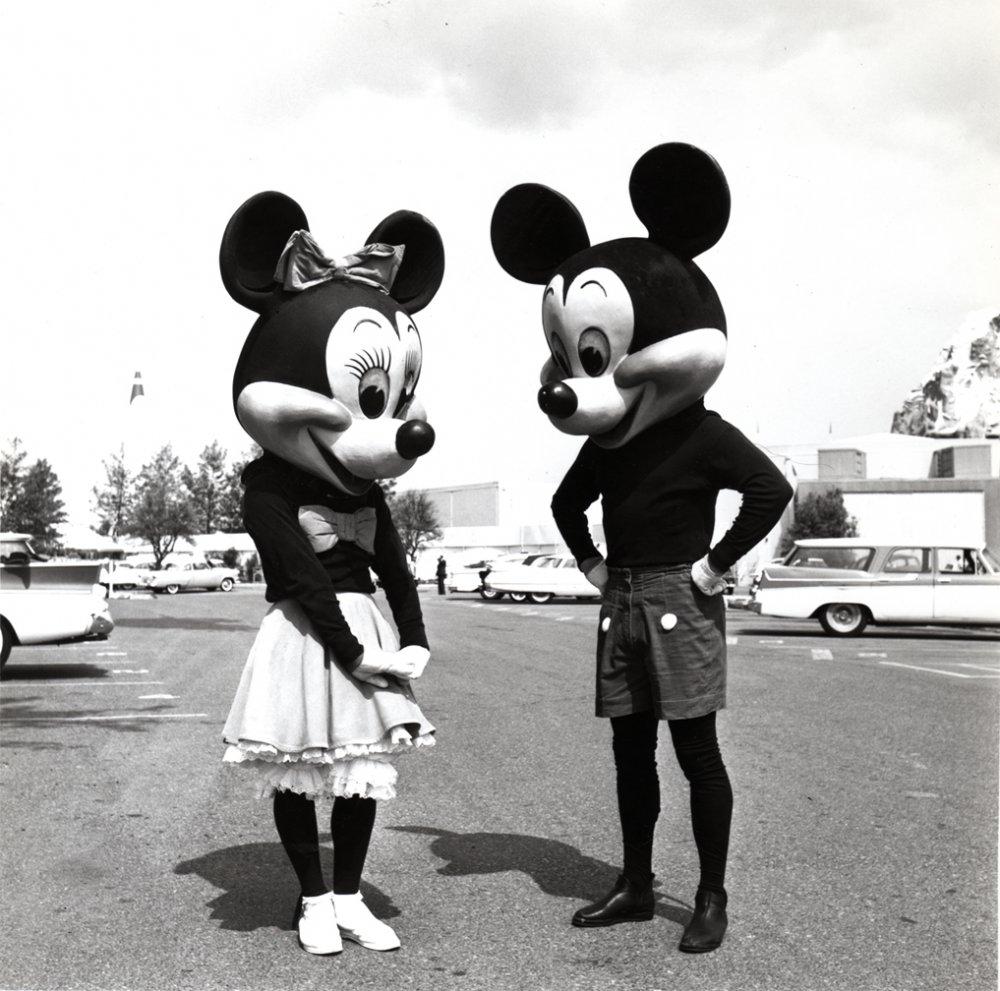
{"x":860,"y":140}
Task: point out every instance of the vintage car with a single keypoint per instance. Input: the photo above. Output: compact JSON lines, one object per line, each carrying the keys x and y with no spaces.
{"x":848,"y":582}
{"x":472,"y":577}
{"x":121,"y":575}
{"x":192,"y":575}
{"x":43,"y":602}
{"x":542,"y":580}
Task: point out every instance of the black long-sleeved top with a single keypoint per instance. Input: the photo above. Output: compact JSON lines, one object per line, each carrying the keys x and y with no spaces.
{"x":275,"y":492}
{"x":659,"y":491}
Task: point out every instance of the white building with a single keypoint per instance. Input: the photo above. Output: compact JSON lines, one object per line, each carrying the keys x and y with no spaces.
{"x":907,"y":489}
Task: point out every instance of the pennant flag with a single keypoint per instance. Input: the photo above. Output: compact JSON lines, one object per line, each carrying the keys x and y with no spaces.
{"x":137,"y":389}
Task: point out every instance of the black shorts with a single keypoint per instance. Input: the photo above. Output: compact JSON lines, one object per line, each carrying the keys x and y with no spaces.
{"x":661,"y":645}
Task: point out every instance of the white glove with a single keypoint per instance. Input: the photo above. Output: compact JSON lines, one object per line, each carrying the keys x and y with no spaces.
{"x":706,"y":578}
{"x":596,"y":572}
{"x":407,"y":663}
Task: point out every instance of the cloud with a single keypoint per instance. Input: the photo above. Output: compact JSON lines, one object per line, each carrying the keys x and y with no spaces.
{"x":522,"y":66}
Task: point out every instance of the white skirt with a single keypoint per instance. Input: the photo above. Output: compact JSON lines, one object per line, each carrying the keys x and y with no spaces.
{"x":298,"y":724}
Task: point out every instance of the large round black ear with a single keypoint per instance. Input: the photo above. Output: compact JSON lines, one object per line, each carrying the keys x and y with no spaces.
{"x":682,"y":198}
{"x":252,"y":244}
{"x":422,"y":270}
{"x":534,"y":230}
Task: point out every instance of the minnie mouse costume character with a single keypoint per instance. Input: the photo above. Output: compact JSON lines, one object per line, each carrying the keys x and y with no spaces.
{"x":637,"y":337}
{"x":325,"y":384}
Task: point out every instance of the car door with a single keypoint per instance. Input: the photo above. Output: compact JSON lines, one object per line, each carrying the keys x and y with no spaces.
{"x":902,"y":589}
{"x":965,"y":591}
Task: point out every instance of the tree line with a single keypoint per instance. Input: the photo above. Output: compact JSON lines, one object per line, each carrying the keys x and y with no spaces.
{"x":166,"y":500}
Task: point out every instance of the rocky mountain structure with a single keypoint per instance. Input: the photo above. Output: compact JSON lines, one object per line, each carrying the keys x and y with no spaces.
{"x":961,"y":396}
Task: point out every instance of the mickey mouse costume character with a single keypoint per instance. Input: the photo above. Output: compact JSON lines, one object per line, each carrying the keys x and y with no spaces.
{"x":637,"y":337}
{"x":325,"y":384}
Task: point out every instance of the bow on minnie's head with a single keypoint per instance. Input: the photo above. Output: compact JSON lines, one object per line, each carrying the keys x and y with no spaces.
{"x":302,"y":264}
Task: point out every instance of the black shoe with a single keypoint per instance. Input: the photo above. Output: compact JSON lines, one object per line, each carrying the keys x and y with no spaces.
{"x":626,"y":902}
{"x":708,"y":924}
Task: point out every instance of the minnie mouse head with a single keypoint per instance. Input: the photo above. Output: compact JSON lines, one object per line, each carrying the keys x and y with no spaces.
{"x":327,"y":376}
{"x":635,"y":330}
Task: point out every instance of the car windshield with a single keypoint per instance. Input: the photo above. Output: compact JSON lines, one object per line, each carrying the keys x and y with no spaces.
{"x":991,"y":560}
{"x":849,"y":558}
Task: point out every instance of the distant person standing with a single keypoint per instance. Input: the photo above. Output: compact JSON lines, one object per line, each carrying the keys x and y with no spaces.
{"x":442,"y":573}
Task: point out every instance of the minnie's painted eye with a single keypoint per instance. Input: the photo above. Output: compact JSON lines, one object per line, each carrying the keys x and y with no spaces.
{"x":559,"y":354}
{"x":595,"y":351}
{"x":411,"y":374}
{"x":373,"y":392}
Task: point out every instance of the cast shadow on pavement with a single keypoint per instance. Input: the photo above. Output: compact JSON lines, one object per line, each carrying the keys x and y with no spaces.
{"x":206,"y":625}
{"x":259,"y":889}
{"x":557,"y":868}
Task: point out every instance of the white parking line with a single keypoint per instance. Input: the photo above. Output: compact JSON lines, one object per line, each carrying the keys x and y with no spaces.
{"x":979,"y":667}
{"x":530,"y":612}
{"x":914,"y":667}
{"x":143,"y":698}
{"x":107,"y":719}
{"x":822,"y":654}
{"x":732,"y":641}
{"x":130,"y":671}
{"x":868,"y":653}
{"x":63,"y":683}
{"x":770,"y":643}
{"x":112,"y":653}
{"x":565,"y":619}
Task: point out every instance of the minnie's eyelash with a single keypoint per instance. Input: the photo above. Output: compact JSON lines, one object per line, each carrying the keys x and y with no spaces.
{"x":366,"y":360}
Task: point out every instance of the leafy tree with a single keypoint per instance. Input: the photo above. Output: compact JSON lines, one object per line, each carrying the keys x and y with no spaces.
{"x":31,"y":498}
{"x":821,"y":514}
{"x":231,"y":500}
{"x":207,"y":485}
{"x":416,"y":520}
{"x":11,"y":481}
{"x":162,"y":511}
{"x":112,"y":501}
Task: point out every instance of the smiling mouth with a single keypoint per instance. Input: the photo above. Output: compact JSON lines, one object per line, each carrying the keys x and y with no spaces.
{"x":354,"y":484}
{"x":620,"y":429}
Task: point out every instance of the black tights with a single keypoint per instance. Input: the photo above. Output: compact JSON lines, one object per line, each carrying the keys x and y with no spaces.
{"x":697,"y":750}
{"x":350,"y":827}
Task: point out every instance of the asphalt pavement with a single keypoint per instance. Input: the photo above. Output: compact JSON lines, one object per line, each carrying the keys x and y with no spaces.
{"x":863,"y":854}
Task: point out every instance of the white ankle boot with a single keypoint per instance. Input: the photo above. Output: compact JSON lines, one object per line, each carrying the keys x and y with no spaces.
{"x":317,"y":925}
{"x":360,"y":926}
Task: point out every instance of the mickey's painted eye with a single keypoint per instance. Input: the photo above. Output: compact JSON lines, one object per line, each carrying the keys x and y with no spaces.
{"x":595,"y":351}
{"x":373,"y":392}
{"x":560,"y":356}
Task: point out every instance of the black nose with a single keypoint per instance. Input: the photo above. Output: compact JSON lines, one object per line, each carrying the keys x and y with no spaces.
{"x":414,"y":438}
{"x":557,"y":399}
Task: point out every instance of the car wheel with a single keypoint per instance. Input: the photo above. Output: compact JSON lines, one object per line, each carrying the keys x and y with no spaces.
{"x":540,"y":597}
{"x":490,"y":594}
{"x":518,"y":596}
{"x":6,"y":640}
{"x":171,"y":589}
{"x":843,"y":619}
{"x":226,"y":585}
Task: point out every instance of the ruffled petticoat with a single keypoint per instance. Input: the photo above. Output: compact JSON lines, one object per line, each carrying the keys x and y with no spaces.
{"x":299,"y":725}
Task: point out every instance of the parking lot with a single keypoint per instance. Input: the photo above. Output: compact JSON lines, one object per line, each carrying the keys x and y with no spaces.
{"x":863,"y":852}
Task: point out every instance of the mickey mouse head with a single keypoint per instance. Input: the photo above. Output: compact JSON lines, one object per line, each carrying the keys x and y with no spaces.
{"x":327,"y":376}
{"x":636,"y":331}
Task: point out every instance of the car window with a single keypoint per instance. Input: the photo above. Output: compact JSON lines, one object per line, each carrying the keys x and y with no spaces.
{"x":851,"y":558}
{"x":907,"y":561}
{"x":959,"y":561}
